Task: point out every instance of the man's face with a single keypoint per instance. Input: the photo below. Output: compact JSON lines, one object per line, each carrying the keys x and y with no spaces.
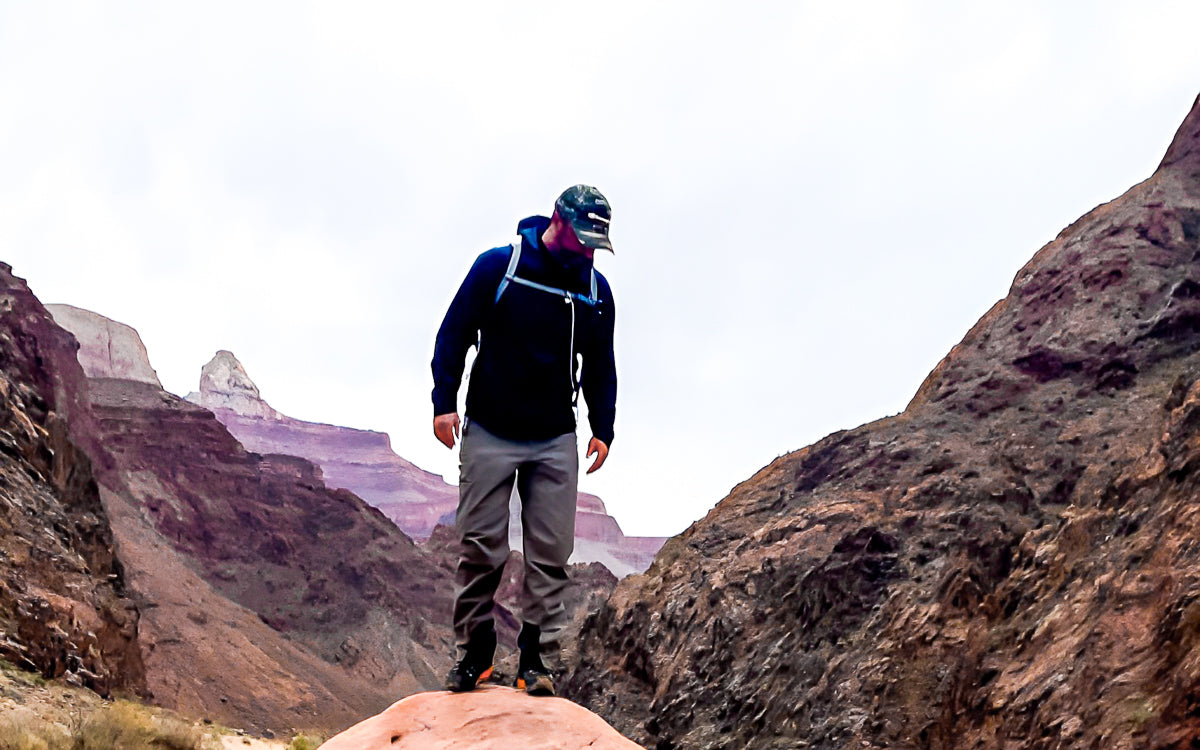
{"x":566,"y":238}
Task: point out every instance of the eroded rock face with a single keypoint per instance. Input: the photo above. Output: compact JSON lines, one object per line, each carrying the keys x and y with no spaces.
{"x":107,"y":349}
{"x":1011,"y":562}
{"x":63,"y":605}
{"x":207,"y":656}
{"x":490,"y":718}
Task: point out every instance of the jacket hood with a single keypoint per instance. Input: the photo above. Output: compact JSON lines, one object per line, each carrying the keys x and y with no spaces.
{"x":531,"y":228}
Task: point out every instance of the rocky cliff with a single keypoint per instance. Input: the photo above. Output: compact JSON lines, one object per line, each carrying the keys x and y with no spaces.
{"x":64,"y":611}
{"x":1011,"y":562}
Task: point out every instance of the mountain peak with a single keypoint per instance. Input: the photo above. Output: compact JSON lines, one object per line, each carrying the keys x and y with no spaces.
{"x":1184,"y":151}
{"x":225,"y":384}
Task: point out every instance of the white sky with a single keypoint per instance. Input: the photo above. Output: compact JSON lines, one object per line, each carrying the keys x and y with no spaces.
{"x":813,"y":201}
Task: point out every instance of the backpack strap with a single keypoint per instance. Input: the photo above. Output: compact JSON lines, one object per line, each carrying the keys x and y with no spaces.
{"x":510,"y":275}
{"x":513,"y":259}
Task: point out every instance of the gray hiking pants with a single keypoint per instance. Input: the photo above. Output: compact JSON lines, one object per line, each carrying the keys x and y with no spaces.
{"x":546,"y":474}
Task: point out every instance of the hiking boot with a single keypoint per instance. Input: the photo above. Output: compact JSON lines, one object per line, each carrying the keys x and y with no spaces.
{"x":476,"y":664}
{"x":532,"y":675}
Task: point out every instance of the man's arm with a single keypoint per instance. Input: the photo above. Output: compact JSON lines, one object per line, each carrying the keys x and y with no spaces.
{"x":458,"y":333}
{"x":599,"y":379}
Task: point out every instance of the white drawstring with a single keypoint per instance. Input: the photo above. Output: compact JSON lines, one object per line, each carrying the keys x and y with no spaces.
{"x":571,"y":363}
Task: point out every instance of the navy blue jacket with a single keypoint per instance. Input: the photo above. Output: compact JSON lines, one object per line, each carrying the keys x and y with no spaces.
{"x":521,"y":383}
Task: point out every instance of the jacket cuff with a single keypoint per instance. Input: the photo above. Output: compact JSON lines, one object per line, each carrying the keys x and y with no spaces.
{"x":603,"y":435}
{"x":443,"y":404}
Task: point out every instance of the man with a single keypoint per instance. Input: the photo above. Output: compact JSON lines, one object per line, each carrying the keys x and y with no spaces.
{"x":534,"y":311}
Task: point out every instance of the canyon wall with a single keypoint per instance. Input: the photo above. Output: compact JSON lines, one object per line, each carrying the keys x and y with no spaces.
{"x":64,"y":606}
{"x":1011,"y":562}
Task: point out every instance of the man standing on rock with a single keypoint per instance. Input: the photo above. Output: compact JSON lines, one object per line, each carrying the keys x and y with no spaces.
{"x":541,"y":318}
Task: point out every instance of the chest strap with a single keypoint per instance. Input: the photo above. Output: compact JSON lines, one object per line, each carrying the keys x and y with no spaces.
{"x":511,"y":276}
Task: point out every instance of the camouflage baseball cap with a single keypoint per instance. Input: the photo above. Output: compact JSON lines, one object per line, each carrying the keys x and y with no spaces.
{"x":589,"y":215}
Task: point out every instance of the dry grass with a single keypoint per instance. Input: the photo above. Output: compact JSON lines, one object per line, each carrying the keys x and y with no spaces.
{"x":117,"y":726}
{"x":25,"y":731}
{"x":306,"y":741}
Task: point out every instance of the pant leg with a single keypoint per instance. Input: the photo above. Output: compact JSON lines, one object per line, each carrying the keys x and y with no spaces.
{"x":488,"y":466}
{"x":549,"y":487}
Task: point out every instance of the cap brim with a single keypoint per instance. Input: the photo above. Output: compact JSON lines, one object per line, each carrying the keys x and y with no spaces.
{"x":591,"y":236}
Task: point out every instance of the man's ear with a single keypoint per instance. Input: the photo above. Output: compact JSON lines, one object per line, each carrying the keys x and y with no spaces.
{"x":555,"y":227}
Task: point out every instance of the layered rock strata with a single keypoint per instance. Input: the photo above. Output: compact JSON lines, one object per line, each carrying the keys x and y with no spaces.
{"x":364,"y":463}
{"x":361,"y":461}
{"x":1011,"y":562}
{"x":64,"y":609}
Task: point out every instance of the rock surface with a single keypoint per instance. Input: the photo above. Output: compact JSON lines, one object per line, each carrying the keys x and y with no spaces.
{"x":490,"y":718}
{"x":107,"y":349}
{"x":64,"y":610}
{"x":1010,"y":563}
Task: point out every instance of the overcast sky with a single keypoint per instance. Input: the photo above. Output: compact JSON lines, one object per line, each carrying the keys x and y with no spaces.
{"x":812,"y":201}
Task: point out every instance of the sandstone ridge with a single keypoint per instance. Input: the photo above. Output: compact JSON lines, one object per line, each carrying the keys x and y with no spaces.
{"x":1011,"y":562}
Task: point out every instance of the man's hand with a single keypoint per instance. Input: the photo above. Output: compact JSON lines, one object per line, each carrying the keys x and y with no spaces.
{"x":445,"y":428}
{"x":597,"y":448}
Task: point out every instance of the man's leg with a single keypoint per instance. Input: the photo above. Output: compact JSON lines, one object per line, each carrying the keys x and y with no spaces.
{"x":488,"y":467}
{"x":549,"y":485}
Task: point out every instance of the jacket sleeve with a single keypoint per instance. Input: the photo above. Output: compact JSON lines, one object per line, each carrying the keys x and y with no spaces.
{"x":599,"y":375}
{"x":460,"y":328}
